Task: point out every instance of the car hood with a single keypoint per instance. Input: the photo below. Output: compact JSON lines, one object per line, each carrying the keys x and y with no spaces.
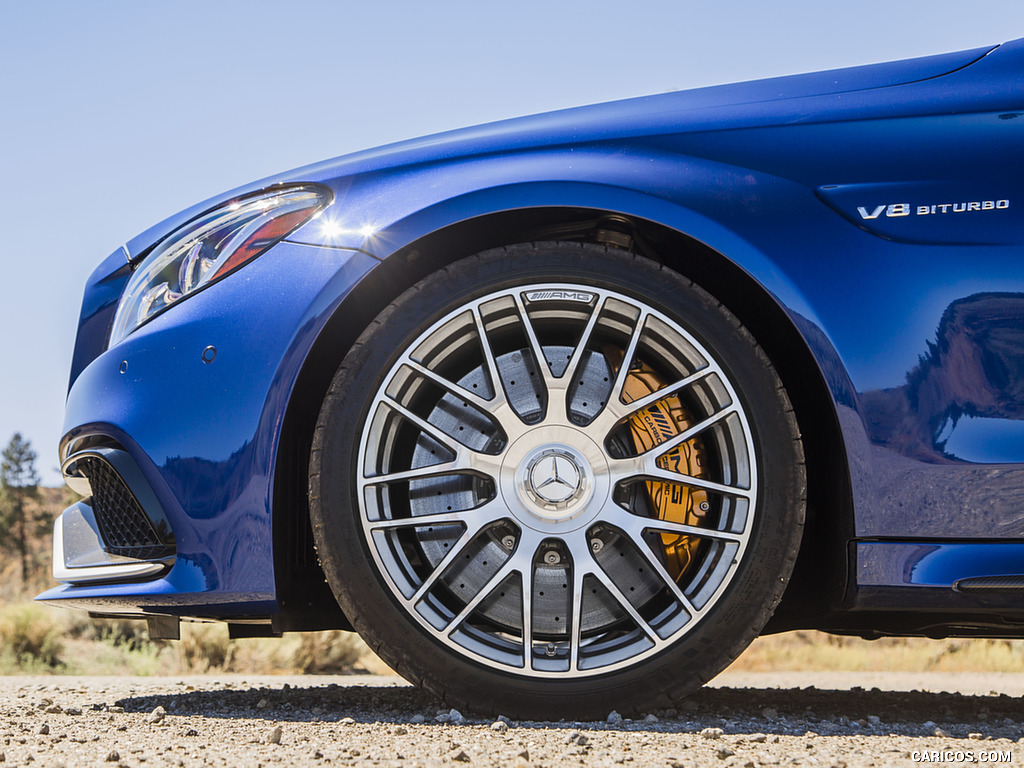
{"x":645,"y":115}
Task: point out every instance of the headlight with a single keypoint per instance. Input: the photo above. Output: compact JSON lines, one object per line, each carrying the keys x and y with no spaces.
{"x":210,"y":247}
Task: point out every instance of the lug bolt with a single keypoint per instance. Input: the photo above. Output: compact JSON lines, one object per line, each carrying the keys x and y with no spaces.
{"x":596,"y":545}
{"x":551,"y":650}
{"x":508,"y":541}
{"x":551,"y":557}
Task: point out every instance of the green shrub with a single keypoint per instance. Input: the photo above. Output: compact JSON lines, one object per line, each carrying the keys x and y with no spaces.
{"x":76,"y":625}
{"x":327,"y":653}
{"x":30,"y":637}
{"x":131,"y":634}
{"x":205,"y":647}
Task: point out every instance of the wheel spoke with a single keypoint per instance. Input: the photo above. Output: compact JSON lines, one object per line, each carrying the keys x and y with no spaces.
{"x":526,"y":582}
{"x":556,"y":408}
{"x":652,"y":471}
{"x":489,"y":360}
{"x":613,"y":589}
{"x":633,"y":527}
{"x":434,"y":432}
{"x":668,"y":526}
{"x":516,"y":563}
{"x":616,"y":411}
{"x":481,"y":403}
{"x":576,"y":622}
{"x":645,"y":467}
{"x":475,"y":521}
{"x":655,"y":564}
{"x":627,"y":358}
{"x":689,"y":433}
{"x":492,"y":583}
{"x":450,"y":557}
{"x":543,"y":369}
{"x":466,"y":458}
{"x":473,"y":517}
{"x":417,"y":473}
{"x":635,"y":406}
{"x":581,"y":347}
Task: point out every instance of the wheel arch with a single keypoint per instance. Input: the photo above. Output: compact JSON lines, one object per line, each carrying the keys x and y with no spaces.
{"x":305,"y":599}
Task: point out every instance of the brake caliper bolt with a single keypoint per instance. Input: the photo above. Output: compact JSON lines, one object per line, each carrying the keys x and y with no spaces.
{"x":596,"y":545}
{"x":508,"y":541}
{"x":551,"y":650}
{"x":551,"y":557}
{"x":704,"y":506}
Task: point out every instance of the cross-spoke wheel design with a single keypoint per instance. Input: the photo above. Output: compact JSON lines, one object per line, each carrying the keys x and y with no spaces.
{"x":556,"y":479}
{"x":529,"y":506}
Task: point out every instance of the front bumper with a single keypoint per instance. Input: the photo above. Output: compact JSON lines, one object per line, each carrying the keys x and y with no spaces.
{"x":194,"y":442}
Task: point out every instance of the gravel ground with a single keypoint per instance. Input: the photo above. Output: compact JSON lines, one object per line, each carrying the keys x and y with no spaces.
{"x":740,"y":720}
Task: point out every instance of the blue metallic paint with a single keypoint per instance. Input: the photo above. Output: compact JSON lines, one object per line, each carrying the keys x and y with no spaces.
{"x":205,"y":435}
{"x":915,"y":322}
{"x":885,"y":570}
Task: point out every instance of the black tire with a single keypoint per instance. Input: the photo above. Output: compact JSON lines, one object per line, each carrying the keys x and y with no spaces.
{"x":682,"y":568}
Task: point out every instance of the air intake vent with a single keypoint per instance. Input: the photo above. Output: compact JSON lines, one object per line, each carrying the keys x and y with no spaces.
{"x":124,"y":526}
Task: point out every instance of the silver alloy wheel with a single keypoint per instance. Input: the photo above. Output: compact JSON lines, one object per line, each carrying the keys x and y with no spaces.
{"x":502,"y":497}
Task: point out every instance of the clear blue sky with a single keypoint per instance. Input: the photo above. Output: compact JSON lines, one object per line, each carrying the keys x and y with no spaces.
{"x":114,"y":115}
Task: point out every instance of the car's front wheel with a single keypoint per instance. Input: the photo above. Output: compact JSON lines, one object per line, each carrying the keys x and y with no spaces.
{"x":554,"y":480}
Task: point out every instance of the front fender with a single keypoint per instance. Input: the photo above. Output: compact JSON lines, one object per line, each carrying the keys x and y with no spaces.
{"x":735,"y":211}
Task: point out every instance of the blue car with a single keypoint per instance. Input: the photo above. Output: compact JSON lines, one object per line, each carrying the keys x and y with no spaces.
{"x":560,"y":413}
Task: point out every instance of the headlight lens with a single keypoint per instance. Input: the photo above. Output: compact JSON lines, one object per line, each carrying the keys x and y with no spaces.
{"x":210,"y":247}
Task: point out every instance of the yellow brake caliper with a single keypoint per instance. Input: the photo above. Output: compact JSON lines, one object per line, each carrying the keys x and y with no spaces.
{"x":677,"y":503}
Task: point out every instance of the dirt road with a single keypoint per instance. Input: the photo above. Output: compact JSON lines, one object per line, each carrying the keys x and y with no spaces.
{"x":741,"y":720}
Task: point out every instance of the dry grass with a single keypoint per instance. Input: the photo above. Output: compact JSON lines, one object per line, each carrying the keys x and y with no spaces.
{"x":816,"y":651}
{"x":328,"y":653}
{"x":30,"y":640}
{"x":38,"y":639}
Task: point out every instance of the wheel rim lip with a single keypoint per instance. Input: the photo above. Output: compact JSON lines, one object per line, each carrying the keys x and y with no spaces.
{"x":530,"y":289}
